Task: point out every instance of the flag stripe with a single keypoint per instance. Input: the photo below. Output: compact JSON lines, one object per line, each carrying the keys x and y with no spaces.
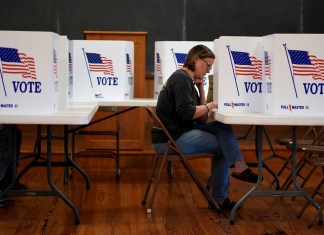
{"x":14,"y":62}
{"x":98,"y":63}
{"x":305,"y":64}
{"x":128,"y":64}
{"x":158,"y":63}
{"x":267,"y":63}
{"x":247,"y":65}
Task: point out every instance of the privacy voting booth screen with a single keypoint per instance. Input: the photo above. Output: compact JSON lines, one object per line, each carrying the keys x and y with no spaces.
{"x":279,"y":74}
{"x":169,"y":57}
{"x":28,"y":72}
{"x":101,"y":70}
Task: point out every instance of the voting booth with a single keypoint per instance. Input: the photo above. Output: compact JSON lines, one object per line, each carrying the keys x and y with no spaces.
{"x":278,"y":74}
{"x":239,"y":74}
{"x":294,"y":74}
{"x":101,"y":70}
{"x":170,"y":56}
{"x":28,"y":72}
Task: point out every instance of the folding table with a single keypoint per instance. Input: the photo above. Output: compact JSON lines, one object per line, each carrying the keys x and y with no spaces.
{"x":75,"y":115}
{"x":260,"y":120}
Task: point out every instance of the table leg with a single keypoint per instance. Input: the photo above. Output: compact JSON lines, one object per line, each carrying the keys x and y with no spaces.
{"x":50,"y":180}
{"x":71,"y":161}
{"x":258,"y":146}
{"x":254,"y":192}
{"x":66,"y":152}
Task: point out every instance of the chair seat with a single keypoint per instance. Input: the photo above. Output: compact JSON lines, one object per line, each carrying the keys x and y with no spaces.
{"x":308,"y":148}
{"x":315,"y":149}
{"x":286,"y":141}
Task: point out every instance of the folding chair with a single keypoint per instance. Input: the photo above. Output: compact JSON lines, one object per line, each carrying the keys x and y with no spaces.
{"x":314,"y":158}
{"x":172,"y":152}
{"x":309,"y":137}
{"x":306,"y":147}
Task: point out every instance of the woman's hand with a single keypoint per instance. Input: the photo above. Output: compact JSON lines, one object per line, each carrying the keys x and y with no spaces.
{"x":199,"y":82}
{"x":213,"y":105}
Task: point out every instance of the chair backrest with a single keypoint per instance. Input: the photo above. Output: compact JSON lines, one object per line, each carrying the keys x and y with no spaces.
{"x":159,"y":125}
{"x":316,"y":135}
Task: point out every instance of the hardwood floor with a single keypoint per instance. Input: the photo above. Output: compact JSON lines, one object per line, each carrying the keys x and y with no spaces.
{"x":111,"y":207}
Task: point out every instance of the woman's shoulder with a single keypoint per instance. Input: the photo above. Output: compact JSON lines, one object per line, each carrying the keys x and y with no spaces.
{"x":179,"y":75}
{"x":180,"y":72}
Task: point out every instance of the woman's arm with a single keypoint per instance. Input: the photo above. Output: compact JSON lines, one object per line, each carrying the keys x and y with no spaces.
{"x":203,"y":109}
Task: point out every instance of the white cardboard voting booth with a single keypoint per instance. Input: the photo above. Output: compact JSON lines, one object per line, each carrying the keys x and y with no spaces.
{"x":239,"y":74}
{"x":101,"y":70}
{"x":294,"y":74}
{"x":170,"y":56}
{"x":28,"y":72}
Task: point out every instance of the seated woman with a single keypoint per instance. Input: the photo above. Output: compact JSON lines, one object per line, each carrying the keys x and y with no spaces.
{"x":184,"y":112}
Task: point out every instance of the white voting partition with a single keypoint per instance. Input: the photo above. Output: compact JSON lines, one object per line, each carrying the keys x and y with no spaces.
{"x":63,"y":56}
{"x":215,"y":70}
{"x":170,"y":56}
{"x":28,"y":72}
{"x":239,"y":71}
{"x":294,"y":74}
{"x":101,"y":70}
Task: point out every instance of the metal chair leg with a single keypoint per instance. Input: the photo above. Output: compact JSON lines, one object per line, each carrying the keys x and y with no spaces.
{"x":156,"y":182}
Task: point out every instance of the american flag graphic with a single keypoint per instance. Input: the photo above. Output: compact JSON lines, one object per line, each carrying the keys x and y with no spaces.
{"x":305,"y":64}
{"x":98,"y":63}
{"x":15,"y":62}
{"x":158,"y":63}
{"x":267,"y":63}
{"x":247,"y":65}
{"x":70,"y":62}
{"x":180,"y":58}
{"x":55,"y":63}
{"x":128,"y":64}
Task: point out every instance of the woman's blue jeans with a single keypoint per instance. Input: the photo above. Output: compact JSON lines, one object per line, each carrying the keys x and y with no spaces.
{"x":211,"y":137}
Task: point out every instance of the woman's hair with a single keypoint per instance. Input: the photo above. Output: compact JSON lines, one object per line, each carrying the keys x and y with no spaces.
{"x":199,"y":51}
